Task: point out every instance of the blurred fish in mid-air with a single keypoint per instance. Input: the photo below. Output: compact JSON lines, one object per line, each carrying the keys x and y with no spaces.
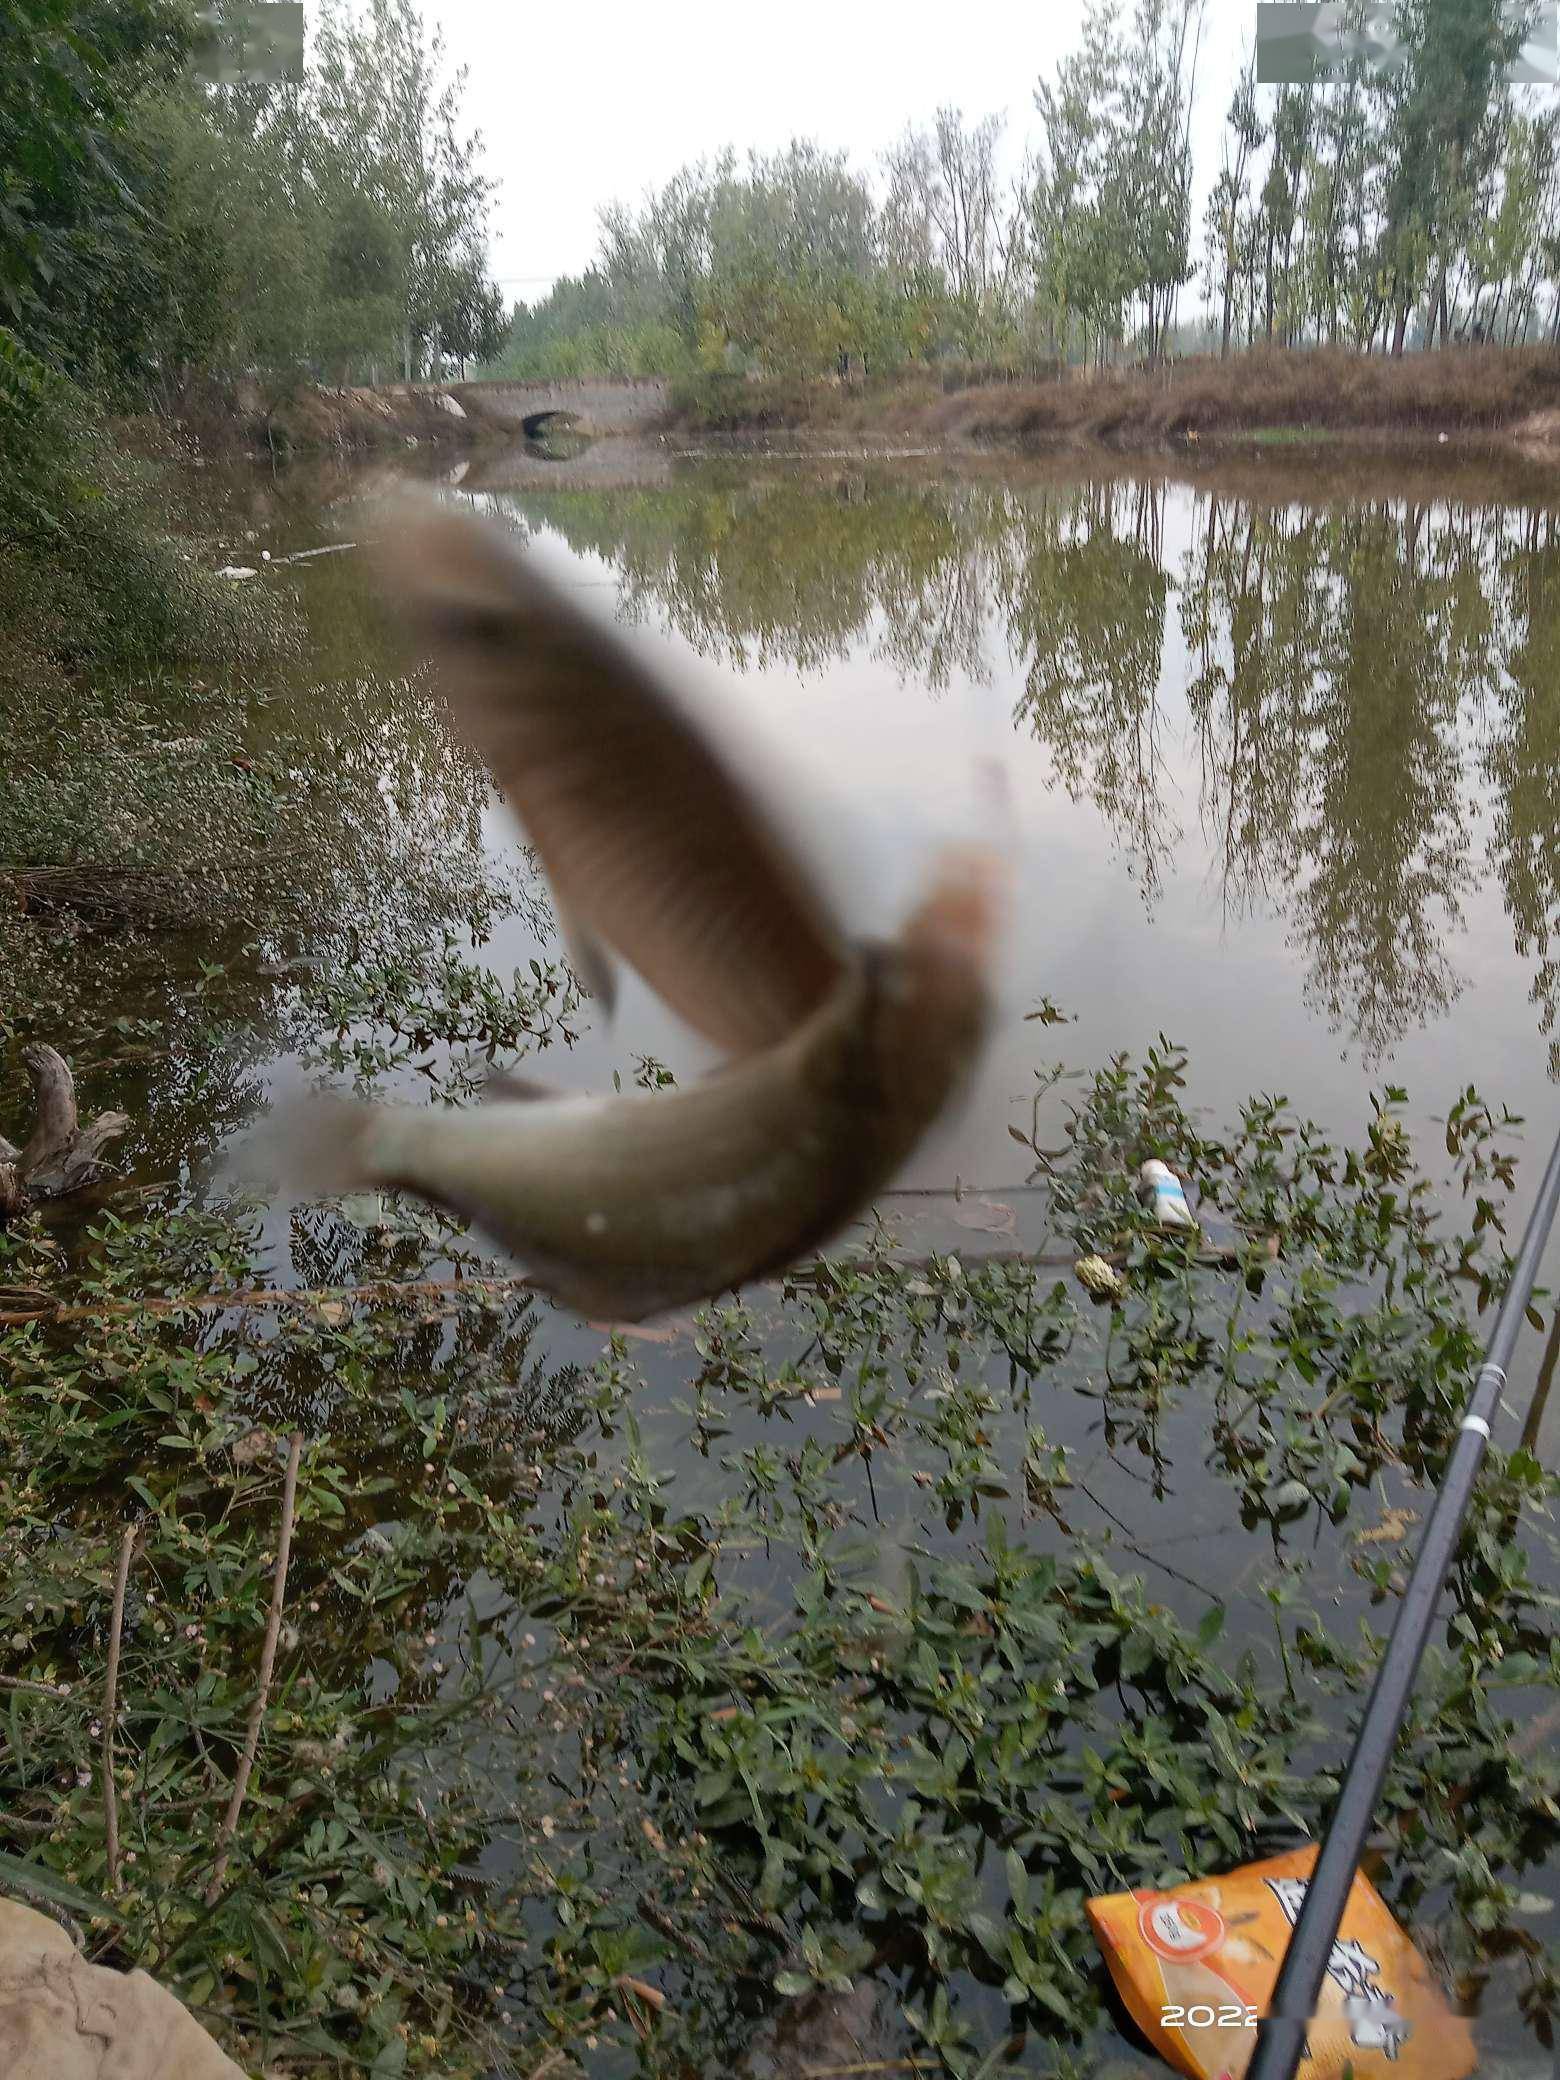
{"x":840,"y":1055}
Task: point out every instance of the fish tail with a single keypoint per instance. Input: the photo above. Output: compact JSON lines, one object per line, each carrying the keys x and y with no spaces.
{"x":312,"y":1148}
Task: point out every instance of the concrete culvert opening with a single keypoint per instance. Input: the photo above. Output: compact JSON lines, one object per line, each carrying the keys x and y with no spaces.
{"x":542,"y":426}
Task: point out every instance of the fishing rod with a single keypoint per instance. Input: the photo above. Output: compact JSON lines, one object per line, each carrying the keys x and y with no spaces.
{"x":1281,"y":2033}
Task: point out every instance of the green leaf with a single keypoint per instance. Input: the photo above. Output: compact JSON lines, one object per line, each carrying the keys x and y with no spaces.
{"x":38,"y":1878}
{"x":989,"y":1936}
{"x":269,"y":1941}
{"x":1518,"y":1668}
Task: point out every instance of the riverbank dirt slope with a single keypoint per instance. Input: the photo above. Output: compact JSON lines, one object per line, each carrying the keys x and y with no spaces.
{"x":1506,"y":396}
{"x":1510,"y":394}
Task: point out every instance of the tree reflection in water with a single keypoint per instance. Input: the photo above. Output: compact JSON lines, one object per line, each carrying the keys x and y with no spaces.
{"x":1360,"y":688}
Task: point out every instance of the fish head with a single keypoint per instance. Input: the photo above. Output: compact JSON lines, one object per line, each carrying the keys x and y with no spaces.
{"x":935,"y":1000}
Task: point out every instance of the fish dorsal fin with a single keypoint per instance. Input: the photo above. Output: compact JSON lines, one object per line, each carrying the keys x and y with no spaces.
{"x":648,"y":835}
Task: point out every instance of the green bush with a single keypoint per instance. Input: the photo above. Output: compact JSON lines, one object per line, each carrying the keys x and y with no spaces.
{"x":83,"y":579}
{"x":722,"y":403}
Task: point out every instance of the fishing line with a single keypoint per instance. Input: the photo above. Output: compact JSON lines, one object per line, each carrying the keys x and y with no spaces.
{"x":1281,"y":2034}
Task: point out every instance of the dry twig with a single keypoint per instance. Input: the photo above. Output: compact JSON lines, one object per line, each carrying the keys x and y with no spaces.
{"x":31,"y":1689}
{"x":246,"y":1760}
{"x":111,"y":1703}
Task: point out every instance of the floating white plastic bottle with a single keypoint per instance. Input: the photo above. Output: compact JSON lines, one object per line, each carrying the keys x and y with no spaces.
{"x":1170,"y":1207}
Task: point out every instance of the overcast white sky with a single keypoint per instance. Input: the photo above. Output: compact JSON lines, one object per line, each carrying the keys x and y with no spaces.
{"x":580,"y":106}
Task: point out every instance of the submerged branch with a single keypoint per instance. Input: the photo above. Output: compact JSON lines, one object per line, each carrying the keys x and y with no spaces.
{"x":140,"y":897}
{"x":391,"y":1289}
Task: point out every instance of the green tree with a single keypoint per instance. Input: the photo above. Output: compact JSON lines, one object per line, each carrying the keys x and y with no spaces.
{"x":1339,"y":292}
{"x":1154,"y":149}
{"x":1228,"y":206}
{"x":383,"y":125}
{"x":1283,"y":209}
{"x":234,"y":202}
{"x":1443,"y":136}
{"x":1080,"y":234}
{"x":74,"y":236}
{"x":1506,"y":251}
{"x":470,"y":321}
{"x":952,"y":235}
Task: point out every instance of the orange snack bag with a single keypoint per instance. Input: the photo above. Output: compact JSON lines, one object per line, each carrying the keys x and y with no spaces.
{"x":1196,"y":1967}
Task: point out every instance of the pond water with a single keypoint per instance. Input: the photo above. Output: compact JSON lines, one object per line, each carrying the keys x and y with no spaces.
{"x":1274,"y":753}
{"x":1277,"y":763}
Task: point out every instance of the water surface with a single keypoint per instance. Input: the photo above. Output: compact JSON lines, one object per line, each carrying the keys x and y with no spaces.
{"x":1279,"y":767}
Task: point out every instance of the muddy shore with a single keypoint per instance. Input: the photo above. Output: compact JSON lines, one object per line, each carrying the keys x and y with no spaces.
{"x":1506,"y":398}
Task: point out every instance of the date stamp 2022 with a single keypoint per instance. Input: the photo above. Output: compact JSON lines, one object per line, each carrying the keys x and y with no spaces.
{"x":1228,"y":2015}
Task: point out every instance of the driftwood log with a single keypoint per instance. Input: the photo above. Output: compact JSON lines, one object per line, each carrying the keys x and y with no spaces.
{"x":60,"y":1155}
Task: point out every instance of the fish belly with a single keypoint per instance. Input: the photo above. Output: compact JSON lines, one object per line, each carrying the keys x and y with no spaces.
{"x":621,"y":1206}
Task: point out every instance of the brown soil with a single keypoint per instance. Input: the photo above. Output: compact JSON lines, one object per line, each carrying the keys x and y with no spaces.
{"x":1507,"y":394}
